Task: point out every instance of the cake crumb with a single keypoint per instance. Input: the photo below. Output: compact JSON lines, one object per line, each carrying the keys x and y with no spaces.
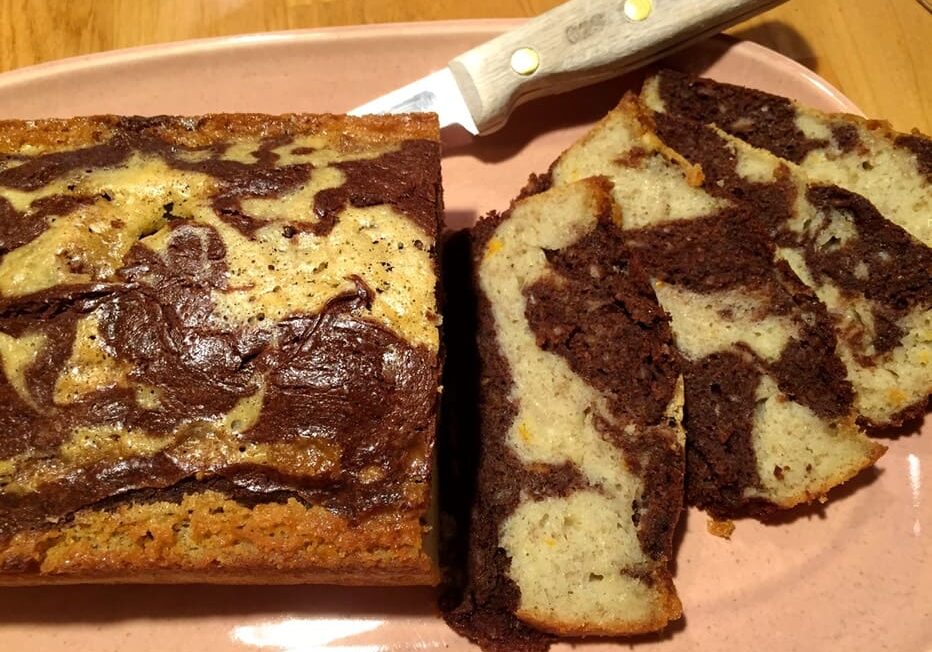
{"x":723,"y":529}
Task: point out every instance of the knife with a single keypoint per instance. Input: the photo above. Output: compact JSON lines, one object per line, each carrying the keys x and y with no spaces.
{"x":575,"y":44}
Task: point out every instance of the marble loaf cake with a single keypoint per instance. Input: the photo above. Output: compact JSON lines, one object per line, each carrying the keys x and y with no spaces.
{"x":770,"y":419}
{"x":220,"y":349}
{"x":581,"y":464}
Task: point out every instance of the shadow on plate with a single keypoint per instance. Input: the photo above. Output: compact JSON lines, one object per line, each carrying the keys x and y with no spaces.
{"x":816,"y":509}
{"x":911,"y":428}
{"x":93,"y":603}
{"x":457,"y":220}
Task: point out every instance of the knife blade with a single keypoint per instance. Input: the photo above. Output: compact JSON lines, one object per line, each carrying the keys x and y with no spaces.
{"x":437,"y":93}
{"x":577,"y":43}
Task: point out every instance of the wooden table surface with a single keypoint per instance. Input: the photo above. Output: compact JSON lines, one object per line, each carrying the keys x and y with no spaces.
{"x":878,"y":52}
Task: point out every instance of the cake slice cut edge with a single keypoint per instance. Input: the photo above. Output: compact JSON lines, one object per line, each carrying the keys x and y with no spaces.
{"x":580,"y":482}
{"x":746,"y":326}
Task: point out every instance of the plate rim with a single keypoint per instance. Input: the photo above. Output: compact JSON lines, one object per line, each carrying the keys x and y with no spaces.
{"x":491,"y":26}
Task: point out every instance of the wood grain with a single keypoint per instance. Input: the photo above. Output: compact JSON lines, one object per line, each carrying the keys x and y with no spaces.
{"x":876,"y":51}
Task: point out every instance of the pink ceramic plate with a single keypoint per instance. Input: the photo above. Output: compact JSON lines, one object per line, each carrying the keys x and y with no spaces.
{"x":852,"y":575}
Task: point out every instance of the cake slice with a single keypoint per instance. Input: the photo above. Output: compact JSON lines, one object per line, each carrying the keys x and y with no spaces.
{"x":220,"y":350}
{"x":874,"y":278}
{"x":581,"y":463}
{"x":769,"y":413}
{"x":892,"y":170}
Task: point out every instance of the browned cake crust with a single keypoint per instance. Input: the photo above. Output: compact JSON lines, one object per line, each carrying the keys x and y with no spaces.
{"x":219,"y":338}
{"x":598,"y":313}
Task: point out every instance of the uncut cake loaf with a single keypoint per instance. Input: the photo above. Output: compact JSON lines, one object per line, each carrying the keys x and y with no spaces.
{"x":580,"y":400}
{"x":770,"y":421}
{"x":874,"y":278}
{"x":220,"y":350}
{"x":892,"y":170}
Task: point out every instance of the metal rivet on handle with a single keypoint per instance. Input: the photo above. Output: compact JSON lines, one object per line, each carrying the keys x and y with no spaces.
{"x":638,"y":9}
{"x":525,"y":61}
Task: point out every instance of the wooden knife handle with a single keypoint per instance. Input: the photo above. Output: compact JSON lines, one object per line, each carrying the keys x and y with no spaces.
{"x":581,"y":42}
